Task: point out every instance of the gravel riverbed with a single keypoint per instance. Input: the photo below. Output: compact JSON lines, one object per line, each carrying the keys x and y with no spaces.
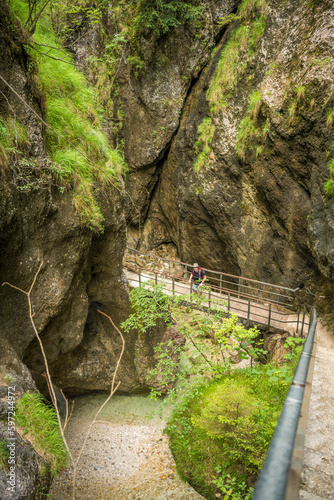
{"x":126,"y":456}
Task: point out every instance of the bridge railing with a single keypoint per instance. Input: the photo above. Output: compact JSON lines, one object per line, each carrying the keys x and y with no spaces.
{"x":280,"y":475}
{"x":180,"y":270}
{"x":267,"y":305}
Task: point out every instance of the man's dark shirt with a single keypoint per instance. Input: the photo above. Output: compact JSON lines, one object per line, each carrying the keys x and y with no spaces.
{"x":198,"y":276}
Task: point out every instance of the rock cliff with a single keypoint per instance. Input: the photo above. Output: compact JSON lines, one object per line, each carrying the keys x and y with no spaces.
{"x":225,"y":170}
{"x":257,"y":206}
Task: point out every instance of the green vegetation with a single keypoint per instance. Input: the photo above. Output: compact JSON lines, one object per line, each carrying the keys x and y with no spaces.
{"x":159,"y":16}
{"x":37,"y":422}
{"x":206,"y":131}
{"x":4,"y":454}
{"x":223,"y":418}
{"x":329,"y":185}
{"x":330,"y":118}
{"x":77,"y":145}
{"x":240,"y":47}
{"x":13,"y":137}
{"x":229,"y":69}
{"x":300,"y":91}
{"x":251,"y":130}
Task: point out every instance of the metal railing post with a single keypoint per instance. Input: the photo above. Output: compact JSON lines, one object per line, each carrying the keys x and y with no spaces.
{"x":228,"y":301}
{"x":220,"y":282}
{"x":303,"y":321}
{"x":239,"y":282}
{"x":209,"y":299}
{"x":248,"y":312}
{"x":269,"y":317}
{"x":139,"y":274}
{"x":173,"y":285}
{"x":156,"y":278}
{"x":298,"y":319}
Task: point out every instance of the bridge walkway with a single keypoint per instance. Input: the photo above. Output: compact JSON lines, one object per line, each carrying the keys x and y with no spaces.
{"x":267,"y":306}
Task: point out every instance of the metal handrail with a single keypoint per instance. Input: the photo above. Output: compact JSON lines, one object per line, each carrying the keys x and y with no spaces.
{"x":276,"y":290}
{"x":268,"y":320}
{"x":275,"y":477}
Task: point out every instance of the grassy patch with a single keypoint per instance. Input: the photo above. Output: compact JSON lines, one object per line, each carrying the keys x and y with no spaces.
{"x":206,"y":131}
{"x":251,"y":131}
{"x":37,"y":422}
{"x":329,"y":185}
{"x":72,"y":112}
{"x":240,"y":47}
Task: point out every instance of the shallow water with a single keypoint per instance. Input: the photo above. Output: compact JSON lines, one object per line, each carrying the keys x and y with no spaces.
{"x":120,"y":409}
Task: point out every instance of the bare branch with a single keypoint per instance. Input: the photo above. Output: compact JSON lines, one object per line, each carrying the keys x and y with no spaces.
{"x":54,"y":58}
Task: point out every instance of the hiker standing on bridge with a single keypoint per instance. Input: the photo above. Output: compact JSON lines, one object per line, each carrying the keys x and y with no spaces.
{"x":197,"y":277}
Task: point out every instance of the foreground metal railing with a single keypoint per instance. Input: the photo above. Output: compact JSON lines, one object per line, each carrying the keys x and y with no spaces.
{"x":260,"y":303}
{"x":280,"y":475}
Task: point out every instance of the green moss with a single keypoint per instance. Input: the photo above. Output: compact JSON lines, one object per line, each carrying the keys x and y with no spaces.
{"x":206,"y":131}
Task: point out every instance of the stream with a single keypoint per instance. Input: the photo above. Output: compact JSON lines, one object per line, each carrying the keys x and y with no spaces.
{"x":126,"y":456}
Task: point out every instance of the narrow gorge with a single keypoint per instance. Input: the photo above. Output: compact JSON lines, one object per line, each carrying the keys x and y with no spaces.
{"x":206,"y":136}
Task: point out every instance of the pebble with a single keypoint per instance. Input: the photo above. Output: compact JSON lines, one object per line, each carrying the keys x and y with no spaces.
{"x":140,"y":465}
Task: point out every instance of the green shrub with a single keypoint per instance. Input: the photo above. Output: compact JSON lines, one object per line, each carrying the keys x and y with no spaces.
{"x":159,"y":16}
{"x":37,"y":421}
{"x":228,"y":427}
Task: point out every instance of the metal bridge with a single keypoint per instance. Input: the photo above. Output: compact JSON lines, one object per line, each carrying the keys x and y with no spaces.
{"x":274,"y":308}
{"x":270,"y":307}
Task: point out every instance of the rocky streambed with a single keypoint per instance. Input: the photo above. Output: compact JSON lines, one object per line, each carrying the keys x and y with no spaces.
{"x":126,"y":456}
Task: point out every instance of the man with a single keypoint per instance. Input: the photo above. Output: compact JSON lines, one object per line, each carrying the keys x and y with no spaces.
{"x":197,"y":277}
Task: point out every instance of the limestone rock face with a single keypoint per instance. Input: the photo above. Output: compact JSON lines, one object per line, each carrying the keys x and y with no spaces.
{"x":263,"y":212}
{"x":152,"y":103}
{"x":81,"y":272}
{"x":15,"y":380}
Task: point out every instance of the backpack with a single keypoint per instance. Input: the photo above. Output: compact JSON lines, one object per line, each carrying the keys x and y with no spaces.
{"x":200,"y":269}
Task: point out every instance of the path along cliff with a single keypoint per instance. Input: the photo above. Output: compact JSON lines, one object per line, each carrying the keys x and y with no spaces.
{"x":318,"y":470}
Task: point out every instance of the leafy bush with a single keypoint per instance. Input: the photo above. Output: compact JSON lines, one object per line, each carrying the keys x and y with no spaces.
{"x":220,"y":437}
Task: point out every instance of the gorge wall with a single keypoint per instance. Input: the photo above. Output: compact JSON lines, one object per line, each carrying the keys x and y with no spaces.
{"x":228,"y":171}
{"x":256,"y":206}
